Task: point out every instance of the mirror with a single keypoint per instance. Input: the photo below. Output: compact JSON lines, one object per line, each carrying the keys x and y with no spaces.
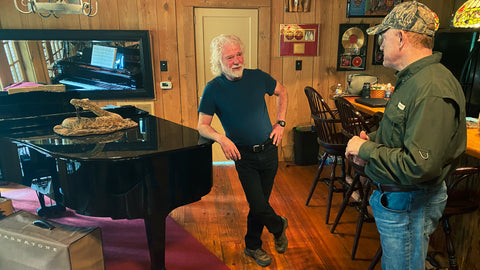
{"x":97,"y":64}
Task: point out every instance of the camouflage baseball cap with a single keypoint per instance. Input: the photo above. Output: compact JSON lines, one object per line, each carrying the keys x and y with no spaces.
{"x":409,"y":16}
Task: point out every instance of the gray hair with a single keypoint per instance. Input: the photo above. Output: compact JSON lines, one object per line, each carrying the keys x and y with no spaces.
{"x":216,"y":48}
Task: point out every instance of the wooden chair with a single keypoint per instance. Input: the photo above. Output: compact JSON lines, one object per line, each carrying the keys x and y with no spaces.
{"x":333,"y":142}
{"x":353,"y":123}
{"x":458,"y":203}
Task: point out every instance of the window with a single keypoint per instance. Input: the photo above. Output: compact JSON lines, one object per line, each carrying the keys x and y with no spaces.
{"x":53,"y":51}
{"x":11,"y":52}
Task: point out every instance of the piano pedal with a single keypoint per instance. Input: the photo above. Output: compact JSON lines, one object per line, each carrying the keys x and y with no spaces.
{"x":51,"y":211}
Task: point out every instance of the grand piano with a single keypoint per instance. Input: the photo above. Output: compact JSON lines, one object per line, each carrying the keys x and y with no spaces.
{"x":139,"y":173}
{"x":82,"y":73}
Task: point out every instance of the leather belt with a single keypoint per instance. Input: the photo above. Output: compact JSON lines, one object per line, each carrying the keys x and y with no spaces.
{"x":385,"y":188}
{"x":257,"y":147}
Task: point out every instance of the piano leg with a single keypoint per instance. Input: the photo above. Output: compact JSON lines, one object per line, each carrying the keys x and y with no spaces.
{"x":155,"y":229}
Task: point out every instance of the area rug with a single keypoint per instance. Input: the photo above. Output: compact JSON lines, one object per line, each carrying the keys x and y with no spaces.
{"x":124,"y":241}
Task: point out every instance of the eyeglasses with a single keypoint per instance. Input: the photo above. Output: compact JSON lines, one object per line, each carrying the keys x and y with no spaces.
{"x":380,"y":39}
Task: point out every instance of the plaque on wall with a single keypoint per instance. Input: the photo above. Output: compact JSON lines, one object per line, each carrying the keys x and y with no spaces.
{"x":352,"y":47}
{"x":299,"y":39}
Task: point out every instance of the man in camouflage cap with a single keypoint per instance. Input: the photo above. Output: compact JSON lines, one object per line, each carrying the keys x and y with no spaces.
{"x":410,"y":16}
{"x":418,"y":141}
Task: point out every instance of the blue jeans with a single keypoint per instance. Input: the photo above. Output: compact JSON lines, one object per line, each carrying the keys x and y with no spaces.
{"x":405,"y":221}
{"x":256,"y":172}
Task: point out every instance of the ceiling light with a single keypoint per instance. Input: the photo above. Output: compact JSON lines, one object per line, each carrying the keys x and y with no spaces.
{"x":46,"y":8}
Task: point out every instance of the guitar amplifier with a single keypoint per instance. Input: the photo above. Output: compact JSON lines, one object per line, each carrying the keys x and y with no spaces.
{"x":30,"y":242}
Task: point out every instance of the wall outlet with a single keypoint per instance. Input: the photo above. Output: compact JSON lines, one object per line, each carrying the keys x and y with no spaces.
{"x":166,"y":85}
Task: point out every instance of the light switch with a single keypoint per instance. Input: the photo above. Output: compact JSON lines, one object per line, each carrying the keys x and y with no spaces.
{"x":298,"y":65}
{"x":163,"y":66}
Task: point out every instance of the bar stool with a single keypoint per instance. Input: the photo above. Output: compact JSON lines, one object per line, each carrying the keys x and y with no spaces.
{"x":333,"y":142}
{"x":353,"y":123}
{"x":457,"y":204}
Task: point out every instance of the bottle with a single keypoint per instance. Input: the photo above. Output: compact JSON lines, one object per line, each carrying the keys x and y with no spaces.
{"x":338,"y":90}
{"x":366,"y":90}
{"x":388,"y":91}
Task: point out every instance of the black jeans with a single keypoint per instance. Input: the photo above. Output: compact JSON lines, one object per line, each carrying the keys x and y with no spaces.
{"x":256,"y":172}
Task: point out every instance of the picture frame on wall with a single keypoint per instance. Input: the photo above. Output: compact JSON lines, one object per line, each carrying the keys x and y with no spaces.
{"x":299,"y":39}
{"x":370,"y":8}
{"x":377,"y":55}
{"x":352,"y":47}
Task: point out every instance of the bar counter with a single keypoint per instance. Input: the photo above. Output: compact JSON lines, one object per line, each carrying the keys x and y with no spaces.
{"x":465,"y":228}
{"x":473,"y":135}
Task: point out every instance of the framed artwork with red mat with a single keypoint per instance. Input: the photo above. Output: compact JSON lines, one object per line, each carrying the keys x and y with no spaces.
{"x":352,"y":47}
{"x":299,"y":39}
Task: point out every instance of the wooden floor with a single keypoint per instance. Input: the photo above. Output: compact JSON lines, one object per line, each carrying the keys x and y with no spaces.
{"x":218,"y":221}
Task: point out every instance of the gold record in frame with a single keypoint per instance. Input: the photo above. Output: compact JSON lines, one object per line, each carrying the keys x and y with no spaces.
{"x":353,"y":38}
{"x":352,"y":46}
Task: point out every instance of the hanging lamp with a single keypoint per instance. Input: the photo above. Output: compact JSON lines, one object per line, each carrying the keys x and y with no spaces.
{"x":468,"y":15}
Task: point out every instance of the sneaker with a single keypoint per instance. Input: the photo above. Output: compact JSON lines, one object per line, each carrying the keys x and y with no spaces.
{"x":281,"y":242}
{"x":260,"y":256}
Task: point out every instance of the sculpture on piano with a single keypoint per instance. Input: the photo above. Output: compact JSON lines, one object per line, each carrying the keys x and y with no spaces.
{"x":105,"y":122}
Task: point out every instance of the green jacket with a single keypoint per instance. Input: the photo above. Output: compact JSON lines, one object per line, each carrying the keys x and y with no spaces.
{"x":423,"y":130}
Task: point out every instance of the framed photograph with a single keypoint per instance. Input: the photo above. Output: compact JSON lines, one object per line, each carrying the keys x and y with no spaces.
{"x":377,"y":56}
{"x":352,"y":47}
{"x":370,"y":8}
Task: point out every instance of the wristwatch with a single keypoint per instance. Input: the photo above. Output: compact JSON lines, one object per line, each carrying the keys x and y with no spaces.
{"x":281,"y":123}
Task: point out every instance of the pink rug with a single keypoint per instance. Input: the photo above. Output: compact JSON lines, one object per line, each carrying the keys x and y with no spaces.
{"x":124,"y":241}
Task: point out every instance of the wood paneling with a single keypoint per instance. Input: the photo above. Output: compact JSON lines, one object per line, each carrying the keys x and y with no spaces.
{"x":171,"y":26}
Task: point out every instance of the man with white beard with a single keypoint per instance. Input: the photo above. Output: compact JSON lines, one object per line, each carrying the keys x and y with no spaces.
{"x":237,"y":96}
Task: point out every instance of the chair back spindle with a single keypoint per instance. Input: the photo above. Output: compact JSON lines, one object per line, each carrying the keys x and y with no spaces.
{"x":353,"y":122}
{"x":327,"y":122}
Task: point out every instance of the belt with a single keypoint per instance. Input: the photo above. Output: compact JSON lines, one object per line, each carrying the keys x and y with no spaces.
{"x":385,"y":188}
{"x":257,"y":147}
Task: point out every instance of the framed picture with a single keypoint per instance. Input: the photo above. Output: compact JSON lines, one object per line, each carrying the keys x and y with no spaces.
{"x":352,"y":47}
{"x":377,"y":56}
{"x":299,"y":39}
{"x":370,"y":8}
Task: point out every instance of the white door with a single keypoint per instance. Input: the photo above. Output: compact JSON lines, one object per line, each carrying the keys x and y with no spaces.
{"x":211,"y":22}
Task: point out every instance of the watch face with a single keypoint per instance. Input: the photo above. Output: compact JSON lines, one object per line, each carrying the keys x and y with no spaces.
{"x":281,"y":123}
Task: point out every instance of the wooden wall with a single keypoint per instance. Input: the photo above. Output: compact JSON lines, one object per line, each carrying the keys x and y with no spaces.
{"x":170,"y":23}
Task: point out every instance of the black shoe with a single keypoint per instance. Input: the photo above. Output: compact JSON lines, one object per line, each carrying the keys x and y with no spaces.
{"x":281,"y":242}
{"x":260,"y":256}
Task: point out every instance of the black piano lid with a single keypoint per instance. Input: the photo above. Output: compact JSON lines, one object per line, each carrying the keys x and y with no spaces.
{"x":153,"y":135}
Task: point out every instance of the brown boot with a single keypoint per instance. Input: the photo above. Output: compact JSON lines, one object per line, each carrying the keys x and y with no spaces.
{"x":260,"y":256}
{"x":281,"y":242}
